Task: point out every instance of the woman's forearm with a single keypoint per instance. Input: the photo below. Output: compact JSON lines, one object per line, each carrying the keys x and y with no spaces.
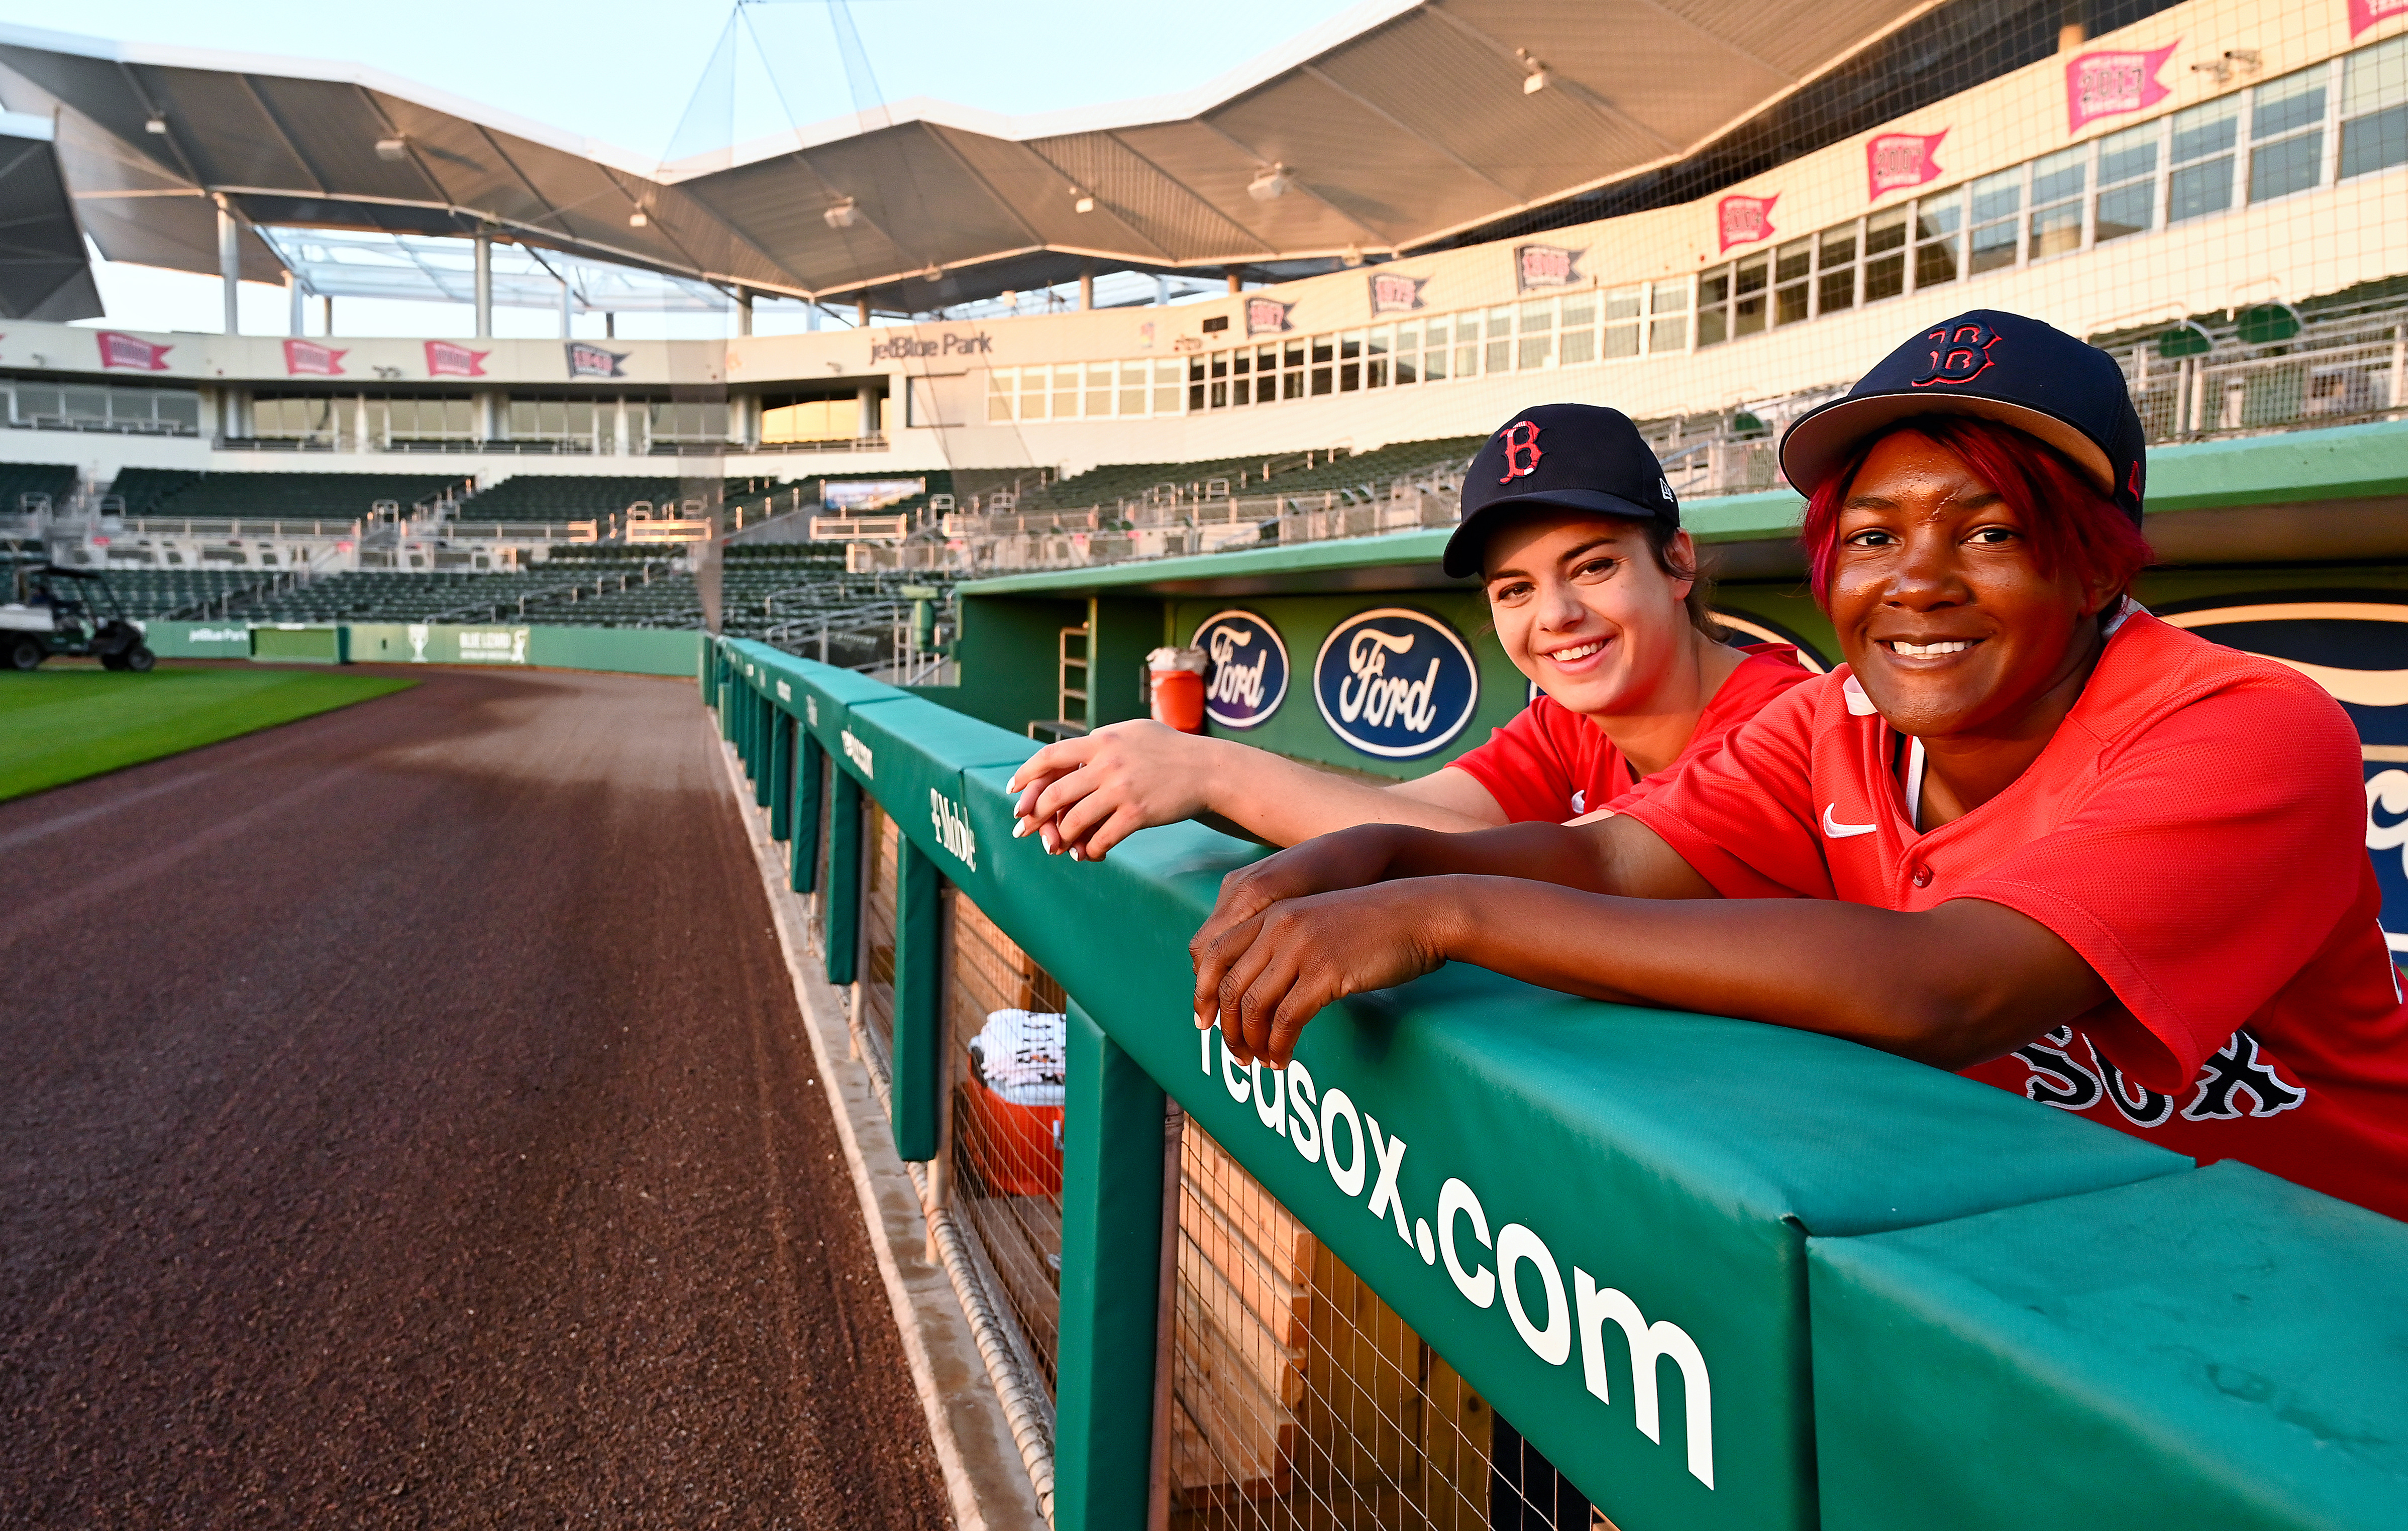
{"x":1951,"y":986}
{"x":1286,"y":802}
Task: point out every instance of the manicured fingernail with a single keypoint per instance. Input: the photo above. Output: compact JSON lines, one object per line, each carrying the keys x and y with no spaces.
{"x":1203,"y":1021}
{"x":1074,"y":853}
{"x":1020,"y":827}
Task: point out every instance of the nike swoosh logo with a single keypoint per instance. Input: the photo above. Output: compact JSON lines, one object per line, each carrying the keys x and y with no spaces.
{"x":1839,"y":831}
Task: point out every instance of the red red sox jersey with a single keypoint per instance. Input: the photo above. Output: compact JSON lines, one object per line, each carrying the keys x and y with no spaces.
{"x":1551,"y":764}
{"x":2195,"y":829}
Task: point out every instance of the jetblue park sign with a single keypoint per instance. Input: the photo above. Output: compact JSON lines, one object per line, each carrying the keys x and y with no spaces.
{"x":919,"y":348}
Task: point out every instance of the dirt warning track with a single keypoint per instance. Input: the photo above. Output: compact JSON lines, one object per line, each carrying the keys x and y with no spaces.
{"x":404,"y":1121}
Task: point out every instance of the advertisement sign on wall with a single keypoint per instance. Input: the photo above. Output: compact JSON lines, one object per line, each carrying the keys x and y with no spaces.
{"x":1538,"y":266}
{"x":1248,"y":679}
{"x":309,"y":358}
{"x":1396,"y":682}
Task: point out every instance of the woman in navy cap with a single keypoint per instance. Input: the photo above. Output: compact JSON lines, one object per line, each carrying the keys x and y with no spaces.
{"x":1594,"y":596}
{"x":2027,"y":832}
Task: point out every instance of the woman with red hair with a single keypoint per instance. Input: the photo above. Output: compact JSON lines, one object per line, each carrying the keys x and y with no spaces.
{"x":2021,"y":834}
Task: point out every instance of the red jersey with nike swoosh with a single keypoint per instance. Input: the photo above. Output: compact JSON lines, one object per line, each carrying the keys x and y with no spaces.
{"x":2228,"y":904}
{"x":1549,"y":763}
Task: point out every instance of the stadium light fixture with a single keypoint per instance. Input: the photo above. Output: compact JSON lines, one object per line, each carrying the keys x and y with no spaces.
{"x":1083,"y":201}
{"x":156,"y":124}
{"x":393,"y":148}
{"x":1353,"y":255}
{"x":844,"y":215}
{"x":640,"y":219}
{"x":1269,"y":185}
{"x":1534,"y":79}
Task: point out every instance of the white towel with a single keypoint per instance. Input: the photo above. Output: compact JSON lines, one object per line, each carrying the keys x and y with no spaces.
{"x":1019,"y":1054}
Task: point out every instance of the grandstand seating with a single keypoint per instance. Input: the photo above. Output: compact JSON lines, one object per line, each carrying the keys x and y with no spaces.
{"x":1110,"y":485}
{"x":174,"y":492}
{"x":366,"y":596}
{"x":19,"y":479}
{"x":147,"y":593}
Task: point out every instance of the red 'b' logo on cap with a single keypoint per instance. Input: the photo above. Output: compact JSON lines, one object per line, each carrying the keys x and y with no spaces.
{"x":1959,"y":353}
{"x":1522,"y":451}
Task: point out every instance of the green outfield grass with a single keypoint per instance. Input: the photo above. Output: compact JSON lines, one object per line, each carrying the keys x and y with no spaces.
{"x":61,"y":725}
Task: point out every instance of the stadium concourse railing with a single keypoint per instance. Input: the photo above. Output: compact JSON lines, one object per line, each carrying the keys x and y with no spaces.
{"x":1720,"y":1274}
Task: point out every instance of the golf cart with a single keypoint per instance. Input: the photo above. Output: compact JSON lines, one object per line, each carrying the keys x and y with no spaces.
{"x":56,"y":611}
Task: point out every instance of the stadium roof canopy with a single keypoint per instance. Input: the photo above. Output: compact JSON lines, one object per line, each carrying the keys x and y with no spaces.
{"x":43,"y":272}
{"x":1399,"y":124}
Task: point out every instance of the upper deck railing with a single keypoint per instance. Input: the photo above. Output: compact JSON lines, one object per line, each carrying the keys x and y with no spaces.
{"x":1721,"y":1274}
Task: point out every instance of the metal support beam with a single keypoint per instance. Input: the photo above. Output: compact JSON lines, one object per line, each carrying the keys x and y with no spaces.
{"x":919,"y":1095}
{"x":744,"y":310}
{"x":298,"y":302}
{"x":1087,"y":286}
{"x":862,"y":319}
{"x":567,"y":307}
{"x":484,"y":292}
{"x":230,"y":267}
{"x":1113,"y":1179}
{"x":871,"y":396}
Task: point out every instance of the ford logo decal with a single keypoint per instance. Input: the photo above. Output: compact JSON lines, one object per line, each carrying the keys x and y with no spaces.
{"x":1396,"y":683}
{"x":1248,"y":679}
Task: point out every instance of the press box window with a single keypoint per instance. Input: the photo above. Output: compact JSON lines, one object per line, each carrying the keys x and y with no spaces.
{"x":1166,"y":388}
{"x":2127,"y":202}
{"x":1939,"y":239}
{"x":2374,"y":108}
{"x":2059,"y":184}
{"x":1378,"y":346}
{"x":1538,"y":327}
{"x":1997,"y":220}
{"x":1409,"y":353}
{"x":1714,"y":307}
{"x":1668,"y":301}
{"x":1349,"y":361}
{"x":2287,"y":134}
{"x":1500,"y":344}
{"x":1748,"y":295}
{"x":1791,"y":266}
{"x":1576,"y":331}
{"x":2201,"y":152}
{"x":1835,"y":269}
{"x":1623,"y":309}
{"x":1885,"y":257}
{"x":1322,"y":372}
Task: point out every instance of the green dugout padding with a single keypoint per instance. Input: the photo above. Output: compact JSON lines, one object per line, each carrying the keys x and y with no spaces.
{"x":297,"y":642}
{"x":1539,"y":1185}
{"x":2214,"y":1348}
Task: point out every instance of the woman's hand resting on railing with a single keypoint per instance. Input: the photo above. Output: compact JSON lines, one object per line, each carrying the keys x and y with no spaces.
{"x":1087,"y":795}
{"x":1263,"y":976}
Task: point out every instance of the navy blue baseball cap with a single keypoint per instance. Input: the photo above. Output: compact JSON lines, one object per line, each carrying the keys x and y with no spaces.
{"x":1999,"y":366}
{"x":1565,"y":457}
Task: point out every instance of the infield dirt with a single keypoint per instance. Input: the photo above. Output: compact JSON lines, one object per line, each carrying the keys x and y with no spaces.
{"x":403,"y":1122}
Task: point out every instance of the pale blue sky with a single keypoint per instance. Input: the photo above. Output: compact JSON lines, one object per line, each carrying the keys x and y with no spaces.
{"x":628,"y":73}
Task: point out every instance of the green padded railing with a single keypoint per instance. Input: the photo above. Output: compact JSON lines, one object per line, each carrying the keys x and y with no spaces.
{"x":1547,"y":1188}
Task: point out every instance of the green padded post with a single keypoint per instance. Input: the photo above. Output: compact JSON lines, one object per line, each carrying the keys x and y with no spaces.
{"x":781,"y":776}
{"x":919,"y":1093}
{"x":1112,"y":1273}
{"x":840,"y":930}
{"x":803,"y":866}
{"x":726,"y":698}
{"x":767,"y":726}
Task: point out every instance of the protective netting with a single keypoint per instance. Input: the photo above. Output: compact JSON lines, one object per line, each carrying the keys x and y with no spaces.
{"x":1300,"y":1400}
{"x":1004,"y":1022}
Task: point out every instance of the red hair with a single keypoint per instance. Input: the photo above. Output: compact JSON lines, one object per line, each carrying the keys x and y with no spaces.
{"x":2068,"y":523}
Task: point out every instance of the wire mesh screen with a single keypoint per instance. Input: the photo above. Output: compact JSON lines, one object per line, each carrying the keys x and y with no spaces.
{"x":1300,"y":1400}
{"x":877,"y":971}
{"x":1004,"y":1016}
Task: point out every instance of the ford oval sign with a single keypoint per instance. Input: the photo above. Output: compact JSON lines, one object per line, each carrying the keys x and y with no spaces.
{"x":1396,"y":683}
{"x":1248,"y":679}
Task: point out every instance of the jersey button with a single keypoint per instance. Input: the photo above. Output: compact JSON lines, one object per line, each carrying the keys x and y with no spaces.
{"x":1922,"y":877}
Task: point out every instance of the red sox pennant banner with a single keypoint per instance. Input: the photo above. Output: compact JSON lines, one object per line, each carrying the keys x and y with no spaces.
{"x":2110,"y":84}
{"x":132,"y":352}
{"x":1392,"y":293}
{"x":1744,"y":219}
{"x":445,"y":359}
{"x":1894,"y":160}
{"x":2366,"y":13}
{"x":309,"y":359}
{"x":1545,"y":265}
{"x":586,"y":360}
{"x":1266,"y":316}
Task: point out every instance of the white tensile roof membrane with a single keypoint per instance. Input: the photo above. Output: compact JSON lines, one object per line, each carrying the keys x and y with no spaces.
{"x":1400,"y":123}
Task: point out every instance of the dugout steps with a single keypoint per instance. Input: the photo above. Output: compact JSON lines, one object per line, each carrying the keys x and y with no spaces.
{"x":1875,"y":1293}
